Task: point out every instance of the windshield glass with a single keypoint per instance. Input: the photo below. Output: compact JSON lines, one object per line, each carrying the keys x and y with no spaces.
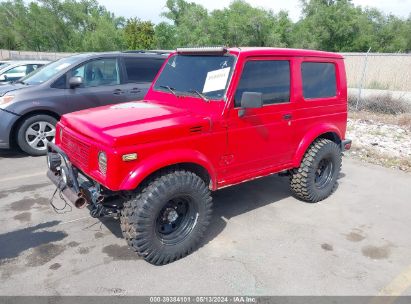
{"x":48,"y":71}
{"x":208,"y":75}
{"x":3,"y":65}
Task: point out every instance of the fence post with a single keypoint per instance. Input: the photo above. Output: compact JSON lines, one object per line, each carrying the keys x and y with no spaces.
{"x":362,"y":79}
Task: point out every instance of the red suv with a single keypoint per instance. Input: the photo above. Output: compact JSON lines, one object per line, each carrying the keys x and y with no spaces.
{"x":213,"y":117}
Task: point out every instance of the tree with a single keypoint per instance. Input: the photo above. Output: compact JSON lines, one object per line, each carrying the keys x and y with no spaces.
{"x":191,"y":23}
{"x":139,"y":34}
{"x":239,"y":24}
{"x":53,"y":25}
{"x":165,"y":36}
{"x":328,"y":25}
{"x":84,"y":25}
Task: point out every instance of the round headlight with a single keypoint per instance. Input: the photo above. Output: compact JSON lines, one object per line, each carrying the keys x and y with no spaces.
{"x":102,"y":162}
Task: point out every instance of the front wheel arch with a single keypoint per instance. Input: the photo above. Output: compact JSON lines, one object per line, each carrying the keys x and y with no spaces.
{"x":19,"y":122}
{"x":43,"y":124}
{"x":188,"y":160}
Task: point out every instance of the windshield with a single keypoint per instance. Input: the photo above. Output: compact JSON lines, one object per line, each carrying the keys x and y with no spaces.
{"x":48,"y":71}
{"x":208,"y":75}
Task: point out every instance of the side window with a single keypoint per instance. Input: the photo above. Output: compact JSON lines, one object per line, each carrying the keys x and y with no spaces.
{"x":269,"y":77}
{"x":32,"y":67}
{"x":98,"y":72}
{"x":18,"y":71}
{"x":319,"y":80}
{"x":142,"y":70}
{"x":60,"y":83}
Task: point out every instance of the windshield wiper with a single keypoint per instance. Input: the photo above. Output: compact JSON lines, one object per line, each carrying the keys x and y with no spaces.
{"x":172,"y":90}
{"x":199,"y":94}
{"x":19,"y":81}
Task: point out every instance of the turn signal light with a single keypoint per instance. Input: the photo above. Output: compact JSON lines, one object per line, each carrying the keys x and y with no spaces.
{"x":129,"y":157}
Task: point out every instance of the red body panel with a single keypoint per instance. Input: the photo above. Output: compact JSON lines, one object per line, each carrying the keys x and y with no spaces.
{"x":165,"y":130}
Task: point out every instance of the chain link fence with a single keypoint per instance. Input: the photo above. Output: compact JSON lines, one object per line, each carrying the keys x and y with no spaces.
{"x":379,"y":82}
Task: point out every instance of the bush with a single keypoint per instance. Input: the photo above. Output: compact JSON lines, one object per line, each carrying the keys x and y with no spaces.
{"x":383,"y":103}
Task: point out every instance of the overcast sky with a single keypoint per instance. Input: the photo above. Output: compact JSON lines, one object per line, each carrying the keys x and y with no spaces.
{"x":150,"y":10}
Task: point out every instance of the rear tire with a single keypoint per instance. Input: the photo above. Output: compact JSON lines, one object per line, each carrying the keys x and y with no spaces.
{"x":166,"y":220}
{"x":34,"y":133}
{"x":316,"y":178}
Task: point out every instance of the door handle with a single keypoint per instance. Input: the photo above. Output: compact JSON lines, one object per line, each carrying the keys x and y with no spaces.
{"x":287,"y":116}
{"x":118,"y":92}
{"x":135,"y":91}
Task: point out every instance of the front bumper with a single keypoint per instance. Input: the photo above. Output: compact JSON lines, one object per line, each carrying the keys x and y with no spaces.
{"x":7,"y":120}
{"x":68,"y":192}
{"x":78,"y":188}
{"x":71,"y":190}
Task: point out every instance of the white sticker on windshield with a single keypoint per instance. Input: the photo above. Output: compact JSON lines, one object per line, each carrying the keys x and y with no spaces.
{"x":216,"y":80}
{"x":62,"y":66}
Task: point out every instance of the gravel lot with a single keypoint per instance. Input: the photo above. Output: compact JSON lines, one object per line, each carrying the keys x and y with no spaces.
{"x":262,"y":241}
{"x":380,"y":143}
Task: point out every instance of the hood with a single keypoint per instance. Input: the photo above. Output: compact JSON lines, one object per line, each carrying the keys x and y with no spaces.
{"x":135,"y":123}
{"x":6,"y":88}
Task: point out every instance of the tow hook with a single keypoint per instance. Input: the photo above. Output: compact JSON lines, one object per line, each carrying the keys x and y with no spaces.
{"x":99,"y":210}
{"x":99,"y":207}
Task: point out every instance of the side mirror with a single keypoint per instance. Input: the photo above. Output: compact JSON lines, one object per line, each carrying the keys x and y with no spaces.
{"x":250,"y":100}
{"x":75,"y":82}
{"x":3,"y":77}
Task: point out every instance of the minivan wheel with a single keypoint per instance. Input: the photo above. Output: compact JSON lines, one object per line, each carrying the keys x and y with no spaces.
{"x":166,"y":219}
{"x":35,"y":132}
{"x":316,"y":178}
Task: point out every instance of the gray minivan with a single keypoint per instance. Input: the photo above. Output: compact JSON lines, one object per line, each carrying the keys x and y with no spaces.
{"x":31,"y":107}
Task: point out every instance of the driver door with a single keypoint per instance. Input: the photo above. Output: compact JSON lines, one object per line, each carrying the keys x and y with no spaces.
{"x":101,"y":84}
{"x":262,"y":137}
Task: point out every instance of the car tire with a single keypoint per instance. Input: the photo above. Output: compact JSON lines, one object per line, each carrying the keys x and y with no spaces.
{"x":32,"y":134}
{"x":316,"y":178}
{"x":167,"y":218}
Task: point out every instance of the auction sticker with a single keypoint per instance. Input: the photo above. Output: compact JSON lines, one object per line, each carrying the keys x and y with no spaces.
{"x":216,"y":80}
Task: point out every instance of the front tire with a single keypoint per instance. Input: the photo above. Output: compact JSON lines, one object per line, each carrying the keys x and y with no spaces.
{"x":35,"y":132}
{"x":166,"y":220}
{"x":316,"y":178}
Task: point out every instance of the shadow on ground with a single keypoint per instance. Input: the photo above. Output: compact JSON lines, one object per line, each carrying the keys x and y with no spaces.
{"x":232,"y":201}
{"x":13,"y":243}
{"x":236,"y":200}
{"x":12,"y":153}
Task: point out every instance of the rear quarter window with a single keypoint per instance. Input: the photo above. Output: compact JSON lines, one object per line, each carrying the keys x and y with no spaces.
{"x":319,"y":80}
{"x":141,"y":69}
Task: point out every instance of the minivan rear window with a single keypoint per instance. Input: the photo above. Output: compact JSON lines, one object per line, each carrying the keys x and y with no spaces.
{"x":319,"y":80}
{"x":142,"y":70}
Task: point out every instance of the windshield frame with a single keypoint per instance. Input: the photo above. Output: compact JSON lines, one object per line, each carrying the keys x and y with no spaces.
{"x":177,"y":93}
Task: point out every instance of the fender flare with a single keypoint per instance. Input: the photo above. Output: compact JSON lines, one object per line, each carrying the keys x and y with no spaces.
{"x":310,"y":137}
{"x":149,"y":165}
